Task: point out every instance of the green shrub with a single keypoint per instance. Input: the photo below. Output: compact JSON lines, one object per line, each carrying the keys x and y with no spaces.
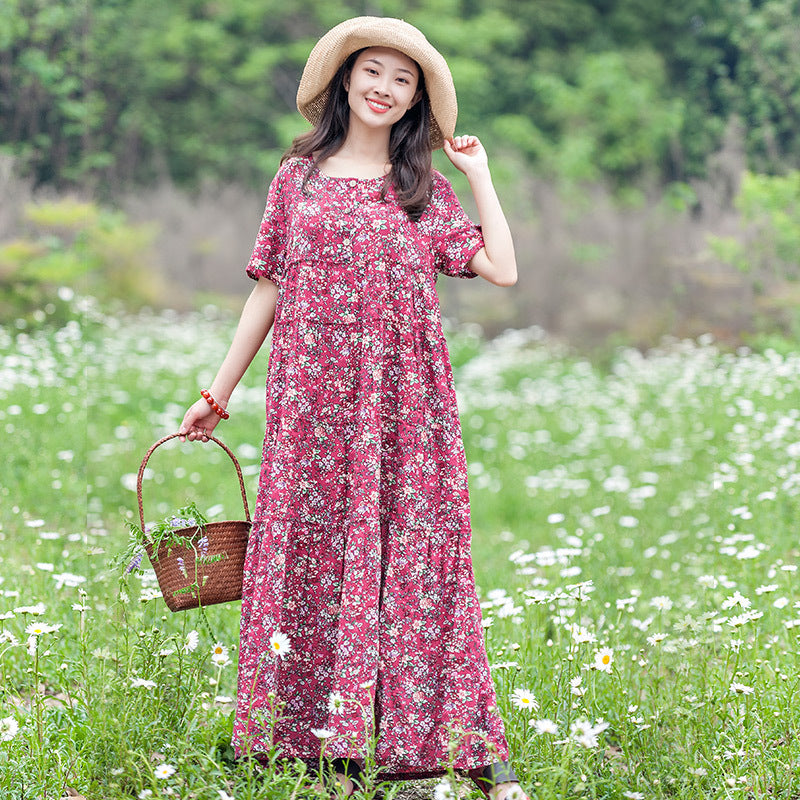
{"x":83,"y":247}
{"x":769,"y":248}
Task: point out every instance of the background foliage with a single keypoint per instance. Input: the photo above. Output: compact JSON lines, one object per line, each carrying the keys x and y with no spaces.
{"x":94,"y":92}
{"x":647,"y":154}
{"x":69,"y":243}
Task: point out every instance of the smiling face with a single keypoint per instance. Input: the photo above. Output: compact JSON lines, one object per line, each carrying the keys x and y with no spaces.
{"x":382,"y":86}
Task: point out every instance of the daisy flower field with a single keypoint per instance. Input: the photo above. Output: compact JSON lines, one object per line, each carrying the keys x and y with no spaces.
{"x":635,"y":547}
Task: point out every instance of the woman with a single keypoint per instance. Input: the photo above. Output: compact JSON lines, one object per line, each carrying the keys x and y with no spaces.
{"x":359,"y":572}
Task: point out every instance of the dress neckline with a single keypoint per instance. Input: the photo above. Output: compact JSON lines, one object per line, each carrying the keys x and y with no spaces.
{"x":349,"y":177}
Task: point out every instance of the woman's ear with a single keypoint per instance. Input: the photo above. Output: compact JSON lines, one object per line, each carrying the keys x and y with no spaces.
{"x":417,"y":98}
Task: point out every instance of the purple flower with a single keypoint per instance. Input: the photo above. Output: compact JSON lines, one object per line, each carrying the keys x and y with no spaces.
{"x":182,"y":566}
{"x":135,"y":562}
{"x":203,"y":545}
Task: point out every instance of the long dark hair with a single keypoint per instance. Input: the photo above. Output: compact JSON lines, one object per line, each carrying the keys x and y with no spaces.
{"x":409,"y":143}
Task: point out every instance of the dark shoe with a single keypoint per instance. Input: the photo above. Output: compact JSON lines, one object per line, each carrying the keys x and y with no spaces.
{"x":343,"y":766}
{"x":492,"y":774}
{"x":347,"y":767}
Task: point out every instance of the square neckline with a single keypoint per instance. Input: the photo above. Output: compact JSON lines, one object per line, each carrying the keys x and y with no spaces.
{"x":324,"y":174}
{"x":349,"y":177}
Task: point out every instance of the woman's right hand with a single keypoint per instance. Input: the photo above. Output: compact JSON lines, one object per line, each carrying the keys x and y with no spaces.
{"x":198,"y":422}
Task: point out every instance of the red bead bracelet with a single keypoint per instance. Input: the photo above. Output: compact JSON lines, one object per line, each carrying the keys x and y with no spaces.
{"x":216,"y":407}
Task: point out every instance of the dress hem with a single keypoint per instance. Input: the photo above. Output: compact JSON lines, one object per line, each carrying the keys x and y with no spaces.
{"x":410,"y":775}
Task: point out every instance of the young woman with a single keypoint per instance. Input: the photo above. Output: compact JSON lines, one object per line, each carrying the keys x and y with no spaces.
{"x":359,"y":591}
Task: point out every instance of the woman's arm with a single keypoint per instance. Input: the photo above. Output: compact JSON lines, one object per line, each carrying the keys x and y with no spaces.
{"x":255,"y":322}
{"x":496,"y":261}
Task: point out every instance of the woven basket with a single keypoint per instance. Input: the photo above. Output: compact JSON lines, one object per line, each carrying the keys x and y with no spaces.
{"x":217,"y":568}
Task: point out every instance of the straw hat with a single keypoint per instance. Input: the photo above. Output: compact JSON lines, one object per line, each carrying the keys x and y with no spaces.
{"x":337,"y":44}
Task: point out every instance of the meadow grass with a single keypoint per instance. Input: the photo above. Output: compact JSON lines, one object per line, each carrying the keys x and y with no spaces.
{"x":635,"y":545}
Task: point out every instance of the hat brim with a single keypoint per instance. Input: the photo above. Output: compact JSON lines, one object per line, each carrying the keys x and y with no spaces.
{"x":331,"y":51}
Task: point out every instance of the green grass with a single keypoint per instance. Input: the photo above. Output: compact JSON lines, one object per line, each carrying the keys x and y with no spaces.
{"x":617,"y":510}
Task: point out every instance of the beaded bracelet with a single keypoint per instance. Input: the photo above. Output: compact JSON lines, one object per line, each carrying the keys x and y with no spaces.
{"x":214,"y":404}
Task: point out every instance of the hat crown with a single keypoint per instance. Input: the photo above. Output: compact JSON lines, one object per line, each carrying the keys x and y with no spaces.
{"x":330,"y":52}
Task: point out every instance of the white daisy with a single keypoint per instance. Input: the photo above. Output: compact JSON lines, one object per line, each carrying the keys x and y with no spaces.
{"x":40,"y":628}
{"x":223,"y":795}
{"x":504,"y":665}
{"x":444,"y":791}
{"x":767,"y":589}
{"x":219,"y":653}
{"x":603,"y":659}
{"x":323,"y":733}
{"x":165,"y":771}
{"x":633,"y":795}
{"x":575,"y":686}
{"x":661,"y":603}
{"x":585,"y":734}
{"x":143,"y":683}
{"x":544,"y":726}
{"x":39,"y":608}
{"x":742,"y":619}
{"x":736,"y":599}
{"x":9,"y":728}
{"x":336,"y":703}
{"x":581,"y":732}
{"x":279,"y":643}
{"x":522,"y":698}
{"x":740,"y":688}
{"x":580,"y":634}
{"x":192,"y":640}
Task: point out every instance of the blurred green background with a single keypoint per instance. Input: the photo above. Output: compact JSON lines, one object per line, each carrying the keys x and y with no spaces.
{"x":647,"y":154}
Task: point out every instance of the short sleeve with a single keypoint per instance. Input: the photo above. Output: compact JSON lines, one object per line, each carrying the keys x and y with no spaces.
{"x":269,"y":252}
{"x":454,"y":237}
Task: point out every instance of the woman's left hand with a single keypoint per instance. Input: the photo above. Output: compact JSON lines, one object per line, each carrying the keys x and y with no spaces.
{"x":466,"y":153}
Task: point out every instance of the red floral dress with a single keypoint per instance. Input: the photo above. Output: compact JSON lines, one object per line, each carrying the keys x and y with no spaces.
{"x":360,"y":546}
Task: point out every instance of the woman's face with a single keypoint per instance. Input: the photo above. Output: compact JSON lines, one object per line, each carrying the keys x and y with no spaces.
{"x":382,"y":86}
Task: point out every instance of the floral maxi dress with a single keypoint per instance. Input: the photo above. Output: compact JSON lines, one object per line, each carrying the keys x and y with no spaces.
{"x":360,"y":547}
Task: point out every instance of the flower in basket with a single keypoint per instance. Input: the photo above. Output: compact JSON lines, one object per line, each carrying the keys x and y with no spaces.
{"x":171,"y":532}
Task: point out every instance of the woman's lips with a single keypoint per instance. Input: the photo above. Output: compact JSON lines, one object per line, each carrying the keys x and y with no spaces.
{"x":377,"y":106}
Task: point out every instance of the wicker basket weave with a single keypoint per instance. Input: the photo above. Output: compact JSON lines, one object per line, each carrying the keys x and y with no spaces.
{"x":216,"y":567}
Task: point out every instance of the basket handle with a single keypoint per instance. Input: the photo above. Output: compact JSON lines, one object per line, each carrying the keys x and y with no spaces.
{"x":172,"y":436}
